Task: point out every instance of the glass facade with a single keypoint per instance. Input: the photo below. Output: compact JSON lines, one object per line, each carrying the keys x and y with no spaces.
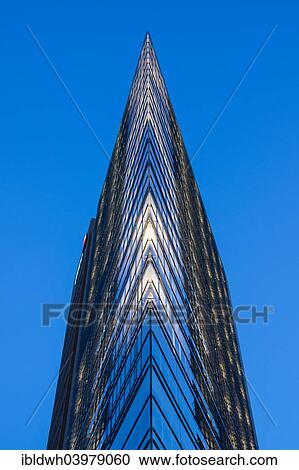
{"x":157,"y":362}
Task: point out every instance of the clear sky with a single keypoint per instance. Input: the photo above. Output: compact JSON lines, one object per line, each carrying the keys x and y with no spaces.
{"x":52,"y":172}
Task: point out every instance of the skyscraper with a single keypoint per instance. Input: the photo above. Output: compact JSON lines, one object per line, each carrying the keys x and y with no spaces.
{"x":155,"y":362}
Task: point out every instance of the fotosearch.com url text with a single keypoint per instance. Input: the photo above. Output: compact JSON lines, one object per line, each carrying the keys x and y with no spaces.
{"x":146,"y":460}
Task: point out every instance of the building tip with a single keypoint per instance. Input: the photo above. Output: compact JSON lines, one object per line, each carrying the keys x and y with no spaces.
{"x":148,"y":37}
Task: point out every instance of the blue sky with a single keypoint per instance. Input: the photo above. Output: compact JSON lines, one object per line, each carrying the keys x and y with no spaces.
{"x":52,"y":171}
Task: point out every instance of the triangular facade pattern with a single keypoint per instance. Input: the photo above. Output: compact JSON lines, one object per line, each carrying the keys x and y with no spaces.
{"x":156,"y":360}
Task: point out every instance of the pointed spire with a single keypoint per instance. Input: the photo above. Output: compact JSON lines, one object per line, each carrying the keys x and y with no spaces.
{"x":148,"y":70}
{"x":147,"y":54}
{"x":147,"y":49}
{"x":148,"y":41}
{"x":147,"y":38}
